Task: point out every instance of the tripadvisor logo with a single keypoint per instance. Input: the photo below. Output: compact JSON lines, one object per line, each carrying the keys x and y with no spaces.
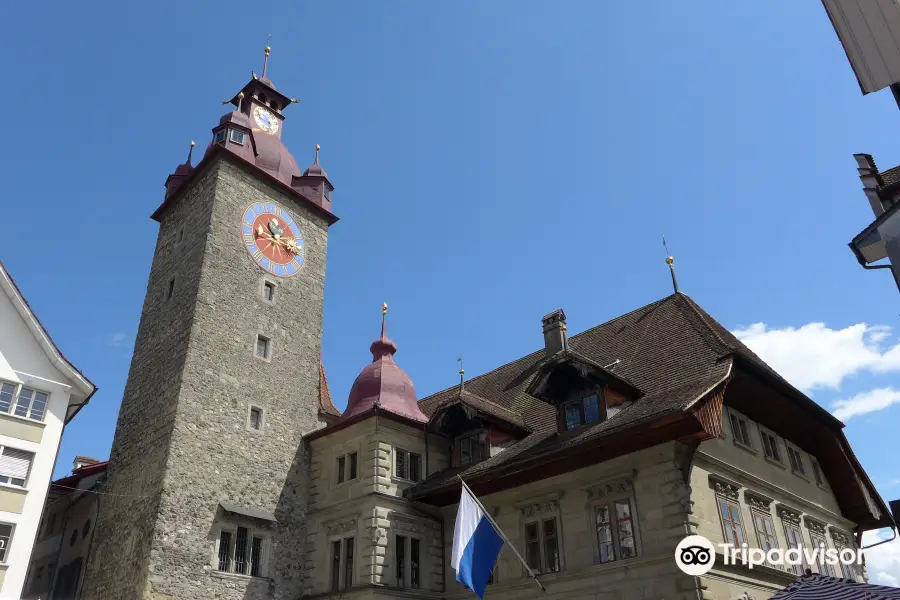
{"x":695,"y":555}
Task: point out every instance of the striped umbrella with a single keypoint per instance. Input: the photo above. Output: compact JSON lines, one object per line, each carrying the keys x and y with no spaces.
{"x":819,"y":587}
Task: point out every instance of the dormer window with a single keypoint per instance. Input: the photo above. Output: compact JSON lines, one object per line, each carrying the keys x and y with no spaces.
{"x":583,"y":411}
{"x":219,"y":137}
{"x":236,"y":136}
{"x":472,"y":448}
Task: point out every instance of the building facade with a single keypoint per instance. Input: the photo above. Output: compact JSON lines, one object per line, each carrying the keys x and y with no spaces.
{"x":40,"y":392}
{"x":233,"y":476}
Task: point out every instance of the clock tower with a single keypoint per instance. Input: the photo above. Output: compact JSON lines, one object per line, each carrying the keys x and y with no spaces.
{"x":207,"y":489}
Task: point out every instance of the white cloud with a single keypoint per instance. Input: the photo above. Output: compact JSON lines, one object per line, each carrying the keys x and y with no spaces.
{"x":117,"y":339}
{"x":882,"y":562}
{"x":893,"y":482}
{"x":815,"y":356}
{"x":866,"y":402}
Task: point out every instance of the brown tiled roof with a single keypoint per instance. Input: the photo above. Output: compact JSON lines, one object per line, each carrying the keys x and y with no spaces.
{"x":671,"y":350}
{"x":890,"y":177}
{"x":482,"y":405}
{"x":325,"y":403}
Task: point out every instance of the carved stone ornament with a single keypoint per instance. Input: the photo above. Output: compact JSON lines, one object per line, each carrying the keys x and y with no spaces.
{"x":840,"y":539}
{"x":726,"y":489}
{"x":408,"y":523}
{"x":341,"y":526}
{"x":789,"y":515}
{"x":757,"y":502}
{"x":537,"y":508}
{"x":815,"y":527}
{"x":378,"y":534}
{"x":612,"y":487}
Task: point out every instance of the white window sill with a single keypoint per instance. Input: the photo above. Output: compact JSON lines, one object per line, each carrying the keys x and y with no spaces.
{"x":17,"y":488}
{"x":26,"y":419}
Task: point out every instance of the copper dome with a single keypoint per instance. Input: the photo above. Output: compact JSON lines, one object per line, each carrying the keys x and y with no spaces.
{"x":384,"y":385}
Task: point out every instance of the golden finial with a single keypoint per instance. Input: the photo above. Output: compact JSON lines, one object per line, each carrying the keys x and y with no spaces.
{"x":384,"y":308}
{"x":268,"y":51}
{"x":241,"y":95}
{"x":462,"y":373}
{"x":670,"y":261}
{"x":192,"y":143}
{"x":318,"y":147}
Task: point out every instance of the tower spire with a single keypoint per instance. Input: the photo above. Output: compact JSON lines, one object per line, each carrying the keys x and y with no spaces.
{"x":266,"y":59}
{"x":190,"y":152}
{"x":383,"y":320}
{"x":318,"y":147}
{"x":671,"y":262}
{"x":462,"y":374}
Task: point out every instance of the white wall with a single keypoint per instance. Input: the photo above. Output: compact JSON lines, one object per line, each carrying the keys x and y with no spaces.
{"x":23,"y":361}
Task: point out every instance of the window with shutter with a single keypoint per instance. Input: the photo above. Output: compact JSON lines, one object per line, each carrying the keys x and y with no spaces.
{"x":14,"y":466}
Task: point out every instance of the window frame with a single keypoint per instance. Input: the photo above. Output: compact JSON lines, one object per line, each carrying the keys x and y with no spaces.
{"x":406,"y":473}
{"x":345,"y":543}
{"x":610,"y":503}
{"x":344,"y":466}
{"x":791,"y":524}
{"x":262,"y":418}
{"x":18,"y":387}
{"x":794,"y":452}
{"x":4,"y":548}
{"x":578,"y":403}
{"x":539,"y":520}
{"x":403,"y":561}
{"x":10,"y":478}
{"x":474,"y":441}
{"x":738,"y":434}
{"x":232,"y":133}
{"x":252,"y":533}
{"x":777,"y":456}
{"x":268,"y":284}
{"x":818,"y":539}
{"x":220,"y":136}
{"x":818,"y":474}
{"x":267,"y":357}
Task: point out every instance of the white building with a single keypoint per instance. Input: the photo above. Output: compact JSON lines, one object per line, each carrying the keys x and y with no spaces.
{"x":40,"y":391}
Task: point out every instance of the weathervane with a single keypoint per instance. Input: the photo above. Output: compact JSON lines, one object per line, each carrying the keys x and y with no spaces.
{"x":671,"y":262}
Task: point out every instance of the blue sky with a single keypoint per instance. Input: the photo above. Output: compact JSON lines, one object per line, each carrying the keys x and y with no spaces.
{"x":492,"y":161}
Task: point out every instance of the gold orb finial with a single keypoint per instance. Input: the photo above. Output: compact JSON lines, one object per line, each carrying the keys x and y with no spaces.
{"x":192,"y":143}
{"x":384,"y":308}
{"x":241,"y":95}
{"x":318,"y":147}
{"x":268,"y":50}
{"x":670,"y":261}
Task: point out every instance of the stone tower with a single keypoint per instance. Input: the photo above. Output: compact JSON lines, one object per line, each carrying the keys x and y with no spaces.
{"x":207,"y":479}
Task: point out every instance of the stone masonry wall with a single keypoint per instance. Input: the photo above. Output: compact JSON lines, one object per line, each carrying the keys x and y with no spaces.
{"x":212,"y":456}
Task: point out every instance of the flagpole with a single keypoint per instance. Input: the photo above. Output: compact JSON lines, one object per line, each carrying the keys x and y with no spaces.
{"x":502,"y":535}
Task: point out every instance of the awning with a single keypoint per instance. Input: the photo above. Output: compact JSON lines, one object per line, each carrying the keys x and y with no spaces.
{"x":248,"y":512}
{"x":818,"y":587}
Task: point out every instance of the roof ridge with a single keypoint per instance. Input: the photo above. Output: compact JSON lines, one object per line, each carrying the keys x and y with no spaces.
{"x":653,"y":304}
{"x":708,"y":328}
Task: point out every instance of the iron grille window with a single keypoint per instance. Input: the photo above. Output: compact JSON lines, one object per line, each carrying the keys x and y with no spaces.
{"x":225,"y":551}
{"x":240,"y":551}
{"x":256,"y":557}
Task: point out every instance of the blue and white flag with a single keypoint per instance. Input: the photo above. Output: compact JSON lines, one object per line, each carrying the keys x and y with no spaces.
{"x":476,"y":544}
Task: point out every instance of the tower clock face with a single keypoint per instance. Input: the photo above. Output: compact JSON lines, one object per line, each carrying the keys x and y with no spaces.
{"x":273,"y":239}
{"x":265,"y":119}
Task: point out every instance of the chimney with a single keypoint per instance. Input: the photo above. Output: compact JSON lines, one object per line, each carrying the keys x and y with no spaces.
{"x":868,"y":174}
{"x":555,"y":339}
{"x":83,"y":461}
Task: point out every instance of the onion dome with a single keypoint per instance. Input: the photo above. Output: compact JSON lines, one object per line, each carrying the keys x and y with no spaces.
{"x":382,"y":385}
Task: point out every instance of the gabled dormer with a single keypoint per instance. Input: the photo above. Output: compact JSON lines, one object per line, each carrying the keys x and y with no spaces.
{"x":476,"y":427}
{"x":582,"y":391}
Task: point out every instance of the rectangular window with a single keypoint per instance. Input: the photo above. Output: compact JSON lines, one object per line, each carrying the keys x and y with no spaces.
{"x":5,"y":536}
{"x":731,"y":522}
{"x":219,"y":137}
{"x":770,"y":445}
{"x":268,"y":291}
{"x":848,"y":571}
{"x":236,"y":136}
{"x":818,"y":541}
{"x":14,"y":466}
{"x":225,"y":551}
{"x":401,"y":560}
{"x":262,"y":346}
{"x":31,"y":404}
{"x":472,"y":448}
{"x":340,"y":469}
{"x":415,"y":467}
{"x":551,"y":545}
{"x":741,"y":430}
{"x":414,"y":563}
{"x":7,"y":393}
{"x":591,"y":409}
{"x":465,"y":451}
{"x":615,"y":531}
{"x":255,"y":418}
{"x":348,"y":562}
{"x":795,"y":540}
{"x":532,"y":547}
{"x":817,"y":472}
{"x":335,"y":566}
{"x":796,"y":461}
{"x":240,"y":551}
{"x":573,"y":415}
{"x":402,"y":466}
{"x":765,"y":533}
{"x":256,"y":557}
{"x":352,"y":465}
